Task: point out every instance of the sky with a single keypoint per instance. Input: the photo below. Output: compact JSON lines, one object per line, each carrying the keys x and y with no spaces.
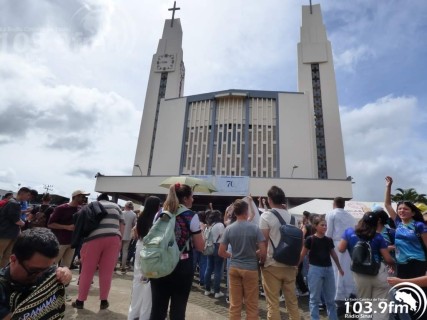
{"x":73,"y":76}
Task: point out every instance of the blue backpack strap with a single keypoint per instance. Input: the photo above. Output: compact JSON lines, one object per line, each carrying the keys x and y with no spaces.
{"x":281,"y":220}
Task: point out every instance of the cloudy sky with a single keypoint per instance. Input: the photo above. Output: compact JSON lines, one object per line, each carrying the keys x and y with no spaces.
{"x":73,"y":76}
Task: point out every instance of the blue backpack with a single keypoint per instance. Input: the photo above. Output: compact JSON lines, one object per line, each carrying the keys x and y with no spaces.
{"x":289,"y":248}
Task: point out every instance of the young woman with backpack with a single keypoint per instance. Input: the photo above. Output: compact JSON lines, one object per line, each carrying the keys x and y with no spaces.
{"x":411,"y":236}
{"x":140,"y":306}
{"x":320,"y":277}
{"x":369,"y":286}
{"x":175,"y":287}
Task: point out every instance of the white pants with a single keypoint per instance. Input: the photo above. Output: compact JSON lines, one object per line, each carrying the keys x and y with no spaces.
{"x":140,"y":306}
{"x":345,"y":284}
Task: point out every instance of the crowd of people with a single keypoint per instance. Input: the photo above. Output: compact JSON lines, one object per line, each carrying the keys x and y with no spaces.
{"x":100,"y":235}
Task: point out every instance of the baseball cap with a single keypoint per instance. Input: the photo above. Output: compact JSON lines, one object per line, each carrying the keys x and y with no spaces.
{"x":78,"y":192}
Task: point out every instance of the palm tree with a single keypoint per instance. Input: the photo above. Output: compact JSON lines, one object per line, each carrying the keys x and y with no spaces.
{"x":409,"y":195}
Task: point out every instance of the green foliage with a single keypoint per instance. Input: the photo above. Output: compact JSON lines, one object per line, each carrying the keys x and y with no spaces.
{"x":409,"y":195}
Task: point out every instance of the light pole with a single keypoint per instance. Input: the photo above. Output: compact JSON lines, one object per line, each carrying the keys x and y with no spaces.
{"x":137,"y":165}
{"x":293,"y":169}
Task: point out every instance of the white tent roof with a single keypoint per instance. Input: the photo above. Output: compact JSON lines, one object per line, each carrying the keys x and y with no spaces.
{"x":355,"y":208}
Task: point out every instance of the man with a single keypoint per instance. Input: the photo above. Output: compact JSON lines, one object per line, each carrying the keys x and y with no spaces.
{"x":40,"y":214}
{"x":129,"y":218}
{"x":30,"y":271}
{"x":6,"y":198}
{"x":62,"y":225}
{"x":275,"y":275}
{"x":337,"y":221}
{"x":243,"y":272}
{"x":10,"y":223}
{"x":26,"y":206}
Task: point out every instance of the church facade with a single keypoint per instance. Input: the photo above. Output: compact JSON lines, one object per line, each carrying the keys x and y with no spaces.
{"x":243,"y":141}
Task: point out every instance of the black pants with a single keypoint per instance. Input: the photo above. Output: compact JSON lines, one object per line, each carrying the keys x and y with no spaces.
{"x":174,"y":287}
{"x":300,"y":280}
{"x":412,"y":269}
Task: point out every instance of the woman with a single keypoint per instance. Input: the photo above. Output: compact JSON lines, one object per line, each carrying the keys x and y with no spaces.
{"x":100,"y":250}
{"x":320,"y":278}
{"x":410,"y":236}
{"x":140,"y":307}
{"x":370,"y":286}
{"x":215,"y":263}
{"x":176,"y":286}
{"x":199,"y":259}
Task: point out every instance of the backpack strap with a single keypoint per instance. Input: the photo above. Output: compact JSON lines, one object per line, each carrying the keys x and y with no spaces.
{"x":281,"y":220}
{"x":278,"y":216}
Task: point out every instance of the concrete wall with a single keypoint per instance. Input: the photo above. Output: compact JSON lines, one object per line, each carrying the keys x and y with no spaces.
{"x":296,"y":145}
{"x":169,"y":137}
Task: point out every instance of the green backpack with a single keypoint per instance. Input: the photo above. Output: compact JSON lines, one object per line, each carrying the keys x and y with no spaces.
{"x":160,"y":253}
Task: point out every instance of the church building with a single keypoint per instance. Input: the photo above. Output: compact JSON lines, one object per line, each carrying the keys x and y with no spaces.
{"x":242,"y":141}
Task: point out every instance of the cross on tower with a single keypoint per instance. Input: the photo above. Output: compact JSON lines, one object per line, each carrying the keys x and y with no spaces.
{"x":173,"y":12}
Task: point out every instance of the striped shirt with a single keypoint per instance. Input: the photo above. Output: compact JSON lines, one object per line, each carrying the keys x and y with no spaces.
{"x":110,"y":225}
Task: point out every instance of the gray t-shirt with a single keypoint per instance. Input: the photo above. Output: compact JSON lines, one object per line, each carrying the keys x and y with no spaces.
{"x":243,"y":236}
{"x":130,"y":220}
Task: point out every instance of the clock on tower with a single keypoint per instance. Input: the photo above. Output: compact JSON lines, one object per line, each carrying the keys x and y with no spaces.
{"x":165,"y":62}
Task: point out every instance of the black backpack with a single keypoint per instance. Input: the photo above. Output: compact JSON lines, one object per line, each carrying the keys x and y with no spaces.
{"x":363,"y":260}
{"x":288,"y":250}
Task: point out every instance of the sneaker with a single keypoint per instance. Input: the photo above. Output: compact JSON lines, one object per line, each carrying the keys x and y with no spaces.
{"x":212,"y":291}
{"x":303,"y":294}
{"x":227,"y":300}
{"x":68,"y":298}
{"x":78,"y":304}
{"x":282,"y":298}
{"x":207,"y":293}
{"x":262,"y":293}
{"x":104,"y":305}
{"x":219,"y":295}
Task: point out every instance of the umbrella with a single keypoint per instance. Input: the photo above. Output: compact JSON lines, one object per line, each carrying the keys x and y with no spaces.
{"x":198,"y":185}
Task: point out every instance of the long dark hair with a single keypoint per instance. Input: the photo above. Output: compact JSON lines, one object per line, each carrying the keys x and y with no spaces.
{"x":146,"y":218}
{"x":417,"y":212}
{"x":213,"y":216}
{"x":367,"y":226}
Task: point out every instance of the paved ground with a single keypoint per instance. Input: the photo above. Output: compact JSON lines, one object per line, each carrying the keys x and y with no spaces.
{"x":199,"y":306}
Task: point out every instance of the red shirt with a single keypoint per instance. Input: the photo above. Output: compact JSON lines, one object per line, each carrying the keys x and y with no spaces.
{"x":3,"y":202}
{"x":63,"y":214}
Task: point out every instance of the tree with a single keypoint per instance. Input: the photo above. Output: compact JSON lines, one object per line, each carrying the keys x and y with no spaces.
{"x":409,"y":195}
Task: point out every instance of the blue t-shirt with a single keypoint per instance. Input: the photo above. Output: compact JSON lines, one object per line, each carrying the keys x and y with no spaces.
{"x":408,"y":246}
{"x":377,"y":243}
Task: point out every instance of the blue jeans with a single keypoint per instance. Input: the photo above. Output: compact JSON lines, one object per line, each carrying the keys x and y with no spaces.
{"x":201,"y":259}
{"x":321,"y":281}
{"x":215,"y":264}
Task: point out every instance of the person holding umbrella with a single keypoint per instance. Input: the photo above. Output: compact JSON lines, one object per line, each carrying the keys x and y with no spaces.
{"x":176,"y":286}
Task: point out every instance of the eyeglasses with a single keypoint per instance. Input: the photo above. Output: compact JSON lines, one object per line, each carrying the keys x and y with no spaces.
{"x":32,"y":273}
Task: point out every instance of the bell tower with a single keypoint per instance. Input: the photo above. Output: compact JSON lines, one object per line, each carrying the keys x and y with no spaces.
{"x":166,"y":81}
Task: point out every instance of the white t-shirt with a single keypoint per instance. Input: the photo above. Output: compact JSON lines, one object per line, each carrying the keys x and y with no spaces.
{"x":217,"y":231}
{"x":269,"y":221}
{"x":130,"y":220}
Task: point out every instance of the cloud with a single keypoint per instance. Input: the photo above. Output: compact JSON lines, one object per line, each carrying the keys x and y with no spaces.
{"x":79,"y":22}
{"x":63,"y":130}
{"x":349,"y":59}
{"x":382,"y":138}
